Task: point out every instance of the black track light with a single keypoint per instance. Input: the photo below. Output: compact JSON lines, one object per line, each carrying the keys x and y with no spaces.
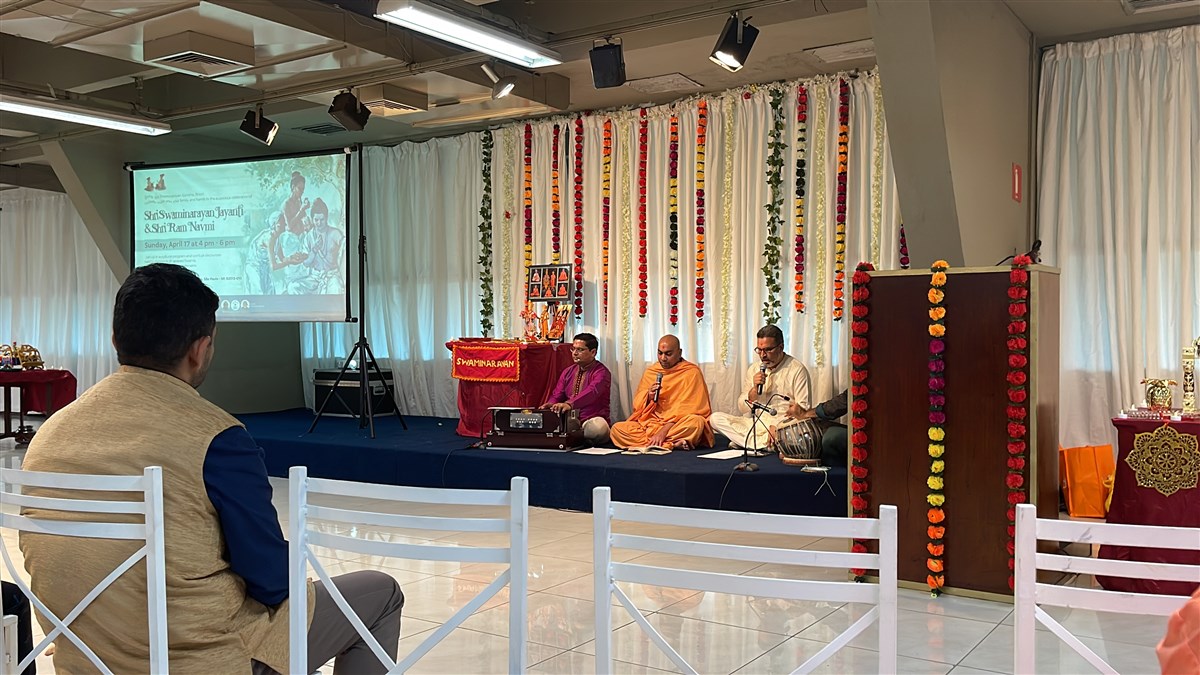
{"x":349,"y":112}
{"x":735,"y":43}
{"x":258,"y":127}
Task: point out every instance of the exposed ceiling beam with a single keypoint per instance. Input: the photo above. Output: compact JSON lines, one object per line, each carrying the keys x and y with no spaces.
{"x":36,"y":176}
{"x":129,"y":20}
{"x":19,"y":4}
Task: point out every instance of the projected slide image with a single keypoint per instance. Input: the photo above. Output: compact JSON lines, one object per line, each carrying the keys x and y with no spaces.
{"x":267,"y":236}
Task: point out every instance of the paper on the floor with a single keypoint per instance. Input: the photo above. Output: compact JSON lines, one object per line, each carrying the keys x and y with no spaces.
{"x":722,"y":454}
{"x":598,"y":451}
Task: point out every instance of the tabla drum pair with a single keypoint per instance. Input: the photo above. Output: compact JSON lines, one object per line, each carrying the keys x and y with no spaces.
{"x":799,"y":442}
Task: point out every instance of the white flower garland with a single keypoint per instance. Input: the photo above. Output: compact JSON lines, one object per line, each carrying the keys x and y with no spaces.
{"x":625,"y":130}
{"x":876,"y":168}
{"x":821,"y":144}
{"x":511,"y":200}
{"x":730,"y":116}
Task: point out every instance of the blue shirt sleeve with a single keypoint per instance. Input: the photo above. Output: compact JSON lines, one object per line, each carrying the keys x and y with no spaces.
{"x":235,"y":477}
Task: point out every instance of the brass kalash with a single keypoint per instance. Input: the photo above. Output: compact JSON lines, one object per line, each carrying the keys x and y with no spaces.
{"x":16,"y":355}
{"x":534,"y":429}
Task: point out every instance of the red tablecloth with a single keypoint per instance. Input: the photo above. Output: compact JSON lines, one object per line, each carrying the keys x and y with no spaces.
{"x":540,"y":366}
{"x":34,"y":385}
{"x":1139,"y":505}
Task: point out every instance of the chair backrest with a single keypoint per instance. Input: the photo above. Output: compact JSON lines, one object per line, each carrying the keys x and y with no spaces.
{"x":1030,"y":593}
{"x":302,"y":537}
{"x":607,"y":573}
{"x":8,"y":645}
{"x":149,"y":531}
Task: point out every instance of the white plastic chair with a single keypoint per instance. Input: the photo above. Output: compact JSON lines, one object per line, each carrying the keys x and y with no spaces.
{"x":150,"y":531}
{"x":883,"y":595}
{"x":8,"y":645}
{"x":302,"y":537}
{"x":1030,"y":593}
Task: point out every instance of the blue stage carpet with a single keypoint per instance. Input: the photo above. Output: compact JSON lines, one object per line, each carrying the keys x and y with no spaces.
{"x":430,"y":454}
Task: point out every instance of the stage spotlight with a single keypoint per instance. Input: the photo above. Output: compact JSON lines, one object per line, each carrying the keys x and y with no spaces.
{"x":501,"y":86}
{"x":733,"y":47}
{"x":608,"y":65}
{"x":258,"y":127}
{"x":348,"y":112}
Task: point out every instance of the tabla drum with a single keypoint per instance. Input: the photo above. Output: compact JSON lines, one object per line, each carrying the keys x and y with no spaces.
{"x":799,"y":443}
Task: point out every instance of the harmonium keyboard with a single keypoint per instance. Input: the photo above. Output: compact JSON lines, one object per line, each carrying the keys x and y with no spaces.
{"x":534,"y":429}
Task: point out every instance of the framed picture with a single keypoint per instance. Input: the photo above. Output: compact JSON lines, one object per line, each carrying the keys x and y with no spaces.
{"x":549,"y":283}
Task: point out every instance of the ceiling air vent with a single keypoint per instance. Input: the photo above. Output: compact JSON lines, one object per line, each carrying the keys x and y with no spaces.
{"x":389,"y":100}
{"x":1142,"y":6}
{"x":323,"y":129}
{"x":197,"y":54}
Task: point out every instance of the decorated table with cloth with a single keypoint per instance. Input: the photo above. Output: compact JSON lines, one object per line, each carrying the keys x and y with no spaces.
{"x":502,"y":373}
{"x":1158,"y":465}
{"x":43,"y":391}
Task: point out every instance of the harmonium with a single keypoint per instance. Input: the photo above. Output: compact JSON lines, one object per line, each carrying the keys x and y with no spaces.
{"x":534,"y":429}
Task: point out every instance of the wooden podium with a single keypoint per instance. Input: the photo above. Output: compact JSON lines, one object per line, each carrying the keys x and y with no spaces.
{"x":976,"y":390}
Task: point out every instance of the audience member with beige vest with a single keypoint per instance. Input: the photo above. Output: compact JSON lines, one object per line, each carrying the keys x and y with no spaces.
{"x":226,"y":558}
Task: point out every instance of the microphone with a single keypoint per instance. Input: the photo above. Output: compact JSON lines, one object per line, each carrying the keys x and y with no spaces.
{"x":658,"y":381}
{"x":755,"y":405}
{"x":762,"y":368}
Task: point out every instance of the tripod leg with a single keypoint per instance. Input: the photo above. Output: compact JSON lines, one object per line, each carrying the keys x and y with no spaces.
{"x":333,"y":389}
{"x":387,"y":387}
{"x":365,"y":398}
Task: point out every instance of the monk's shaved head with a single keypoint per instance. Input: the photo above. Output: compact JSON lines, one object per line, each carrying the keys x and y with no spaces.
{"x":669,"y":352}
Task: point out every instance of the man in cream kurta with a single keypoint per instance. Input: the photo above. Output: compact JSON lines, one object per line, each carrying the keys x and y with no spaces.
{"x":781,"y":375}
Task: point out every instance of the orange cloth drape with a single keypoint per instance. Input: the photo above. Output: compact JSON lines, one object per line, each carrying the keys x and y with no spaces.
{"x":683,"y":401}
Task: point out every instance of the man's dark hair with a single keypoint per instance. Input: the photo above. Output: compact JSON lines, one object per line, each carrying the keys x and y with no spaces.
{"x":589,"y":340}
{"x":773,"y":332}
{"x":160,"y":311}
{"x":297,"y":177}
{"x":319,"y":206}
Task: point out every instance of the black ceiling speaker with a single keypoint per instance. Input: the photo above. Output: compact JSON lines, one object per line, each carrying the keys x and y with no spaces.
{"x":348,"y":112}
{"x":608,"y":65}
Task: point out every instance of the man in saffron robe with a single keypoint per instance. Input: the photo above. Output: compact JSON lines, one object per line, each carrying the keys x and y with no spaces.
{"x":670,"y":407}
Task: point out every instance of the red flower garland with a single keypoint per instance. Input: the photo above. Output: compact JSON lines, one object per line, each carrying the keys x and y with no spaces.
{"x":936,"y":497}
{"x":643,"y":132}
{"x":1018,"y":376}
{"x":578,"y":216}
{"x":527,"y":199}
{"x":903,"y":249}
{"x":555,"y":212}
{"x":673,"y":220}
{"x":701,"y":140}
{"x":605,"y":199}
{"x":801,"y":153}
{"x":839,"y":258}
{"x":859,"y":470}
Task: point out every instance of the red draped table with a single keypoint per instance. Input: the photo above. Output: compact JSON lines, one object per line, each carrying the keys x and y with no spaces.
{"x":498,"y":373}
{"x":1156,"y":483}
{"x":41,"y":390}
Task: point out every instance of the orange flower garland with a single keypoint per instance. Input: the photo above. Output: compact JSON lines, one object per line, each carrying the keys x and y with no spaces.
{"x":643,"y":132}
{"x":673,"y":220}
{"x":859,"y":471}
{"x":839,"y":251}
{"x":701,"y":139}
{"x":605,"y":202}
{"x":578,"y":213}
{"x":1018,"y":378}
{"x":801,"y":151}
{"x":555,"y":214}
{"x":937,"y":432}
{"x":527,"y":199}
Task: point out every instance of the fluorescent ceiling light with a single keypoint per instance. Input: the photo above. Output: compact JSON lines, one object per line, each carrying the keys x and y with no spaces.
{"x":69,"y":112}
{"x":444,"y":25}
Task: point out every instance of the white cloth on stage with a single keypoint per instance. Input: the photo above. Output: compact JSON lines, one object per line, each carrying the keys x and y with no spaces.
{"x":789,"y":378}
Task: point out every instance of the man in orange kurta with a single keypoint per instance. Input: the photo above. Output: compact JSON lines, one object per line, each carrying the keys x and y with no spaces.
{"x":678,"y":419}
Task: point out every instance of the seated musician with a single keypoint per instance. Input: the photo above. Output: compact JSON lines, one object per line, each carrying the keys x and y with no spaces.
{"x":584,"y":386}
{"x":776,"y":375}
{"x":833,"y":441}
{"x":670,"y":407}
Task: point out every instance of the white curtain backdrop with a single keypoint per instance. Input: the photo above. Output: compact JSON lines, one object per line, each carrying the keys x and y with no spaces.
{"x":423,"y":215}
{"x":1119,"y":204}
{"x":57,"y":295}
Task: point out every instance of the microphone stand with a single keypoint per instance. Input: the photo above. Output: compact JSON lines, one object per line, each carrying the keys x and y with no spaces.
{"x":756,"y":411}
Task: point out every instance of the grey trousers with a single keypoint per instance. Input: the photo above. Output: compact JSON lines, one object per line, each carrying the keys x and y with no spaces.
{"x":376,"y":598}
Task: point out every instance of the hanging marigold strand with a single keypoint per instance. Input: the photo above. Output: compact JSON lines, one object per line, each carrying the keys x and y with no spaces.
{"x":605,"y":202}
{"x":701,"y":140}
{"x":801,"y":158}
{"x":555,"y":212}
{"x":673,"y":219}
{"x":859,"y":469}
{"x":936,"y":497}
{"x":643,"y":133}
{"x":839,"y":260}
{"x":1017,"y":409}
{"x":578,"y":203}
{"x":903,"y":249}
{"x":527,"y":199}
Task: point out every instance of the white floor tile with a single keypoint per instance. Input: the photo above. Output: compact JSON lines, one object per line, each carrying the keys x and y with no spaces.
{"x":791,"y":654}
{"x":578,"y":663}
{"x":1054,"y":656}
{"x":708,"y":647}
{"x":929,"y":637}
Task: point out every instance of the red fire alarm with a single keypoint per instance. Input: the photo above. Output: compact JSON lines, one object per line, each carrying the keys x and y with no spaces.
{"x":1016,"y":182}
